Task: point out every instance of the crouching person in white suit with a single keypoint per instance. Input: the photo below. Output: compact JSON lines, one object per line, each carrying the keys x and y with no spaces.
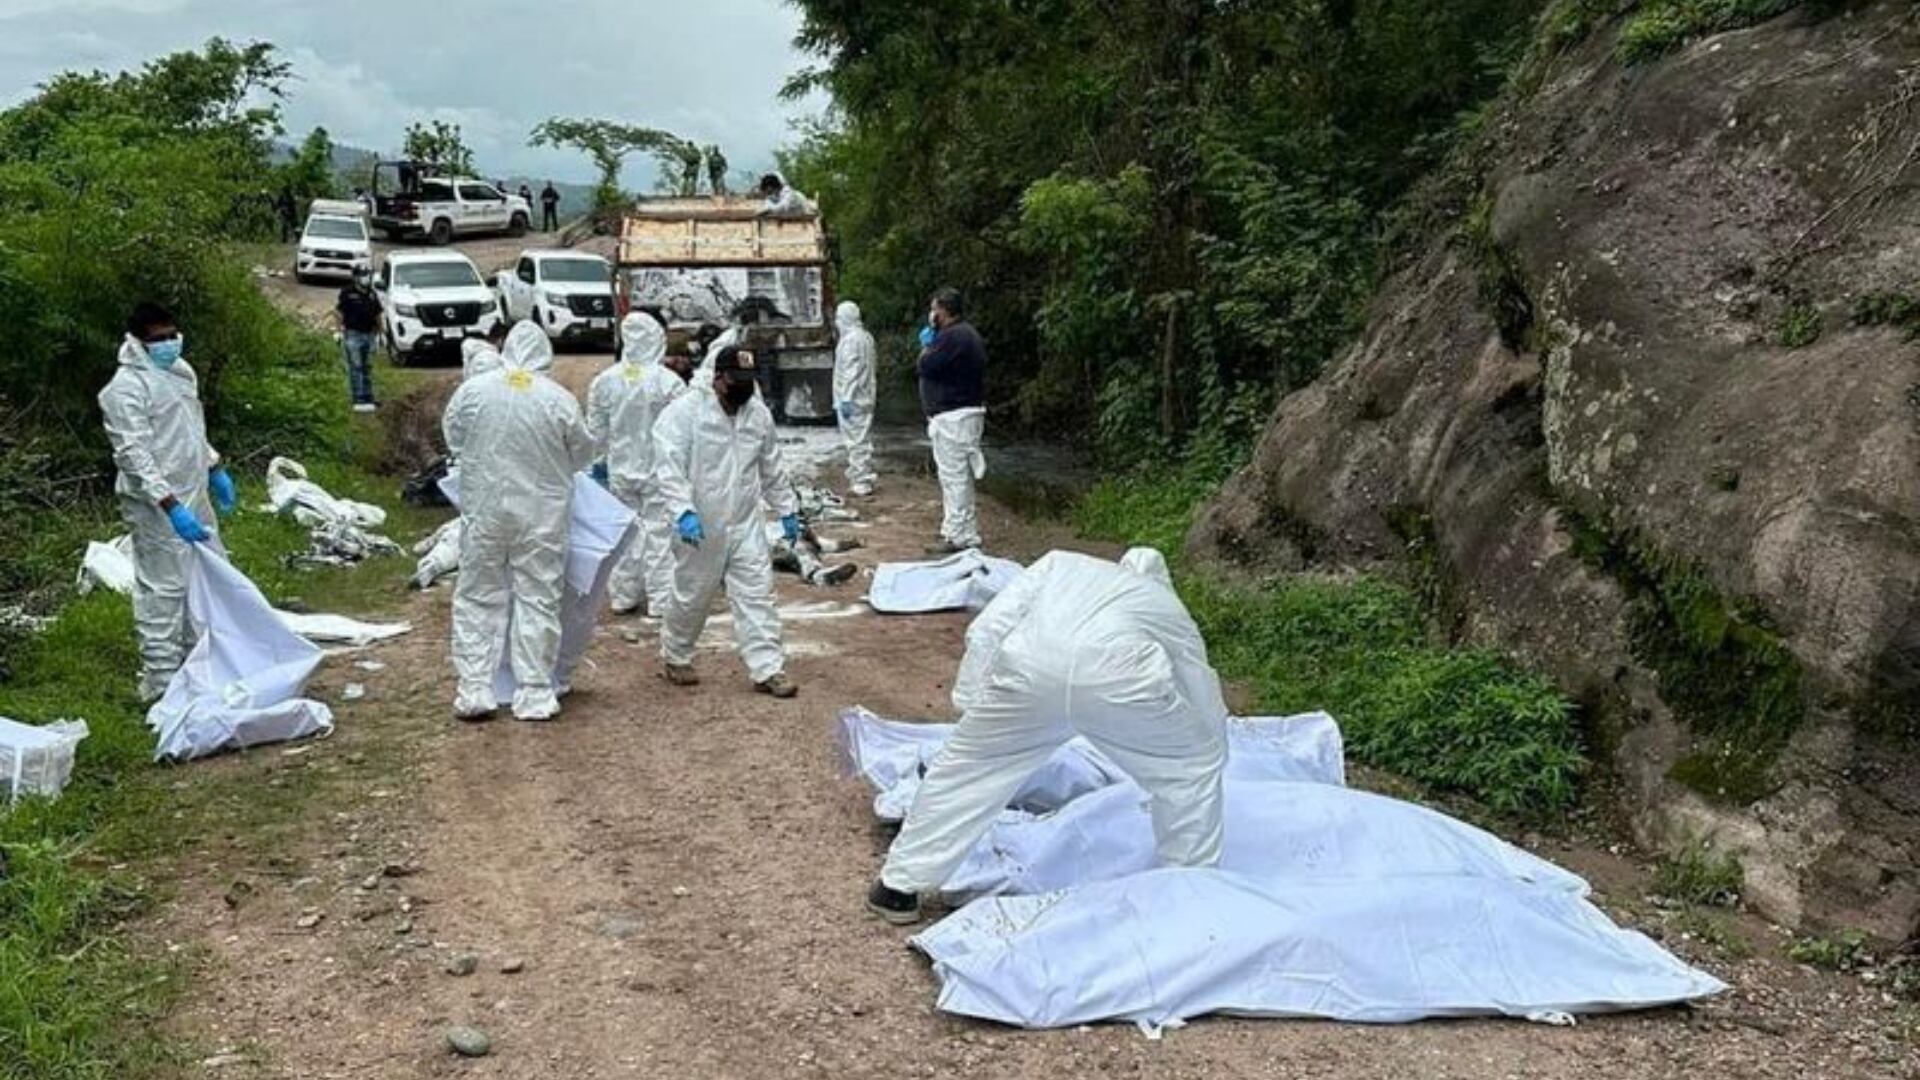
{"x":1076,"y":646}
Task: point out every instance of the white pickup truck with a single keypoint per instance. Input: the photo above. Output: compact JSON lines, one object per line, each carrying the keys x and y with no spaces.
{"x":334,"y":243}
{"x":568,"y":294}
{"x":409,"y":202}
{"x":432,"y":301}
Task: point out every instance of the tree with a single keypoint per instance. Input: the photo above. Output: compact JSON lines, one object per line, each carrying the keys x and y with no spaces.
{"x":439,"y":143}
{"x":310,"y":174}
{"x":609,"y":143}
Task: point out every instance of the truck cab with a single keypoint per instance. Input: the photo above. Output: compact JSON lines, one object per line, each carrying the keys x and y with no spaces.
{"x":411,"y":201}
{"x":334,"y":242}
{"x":567,"y":294}
{"x":701,"y":260}
{"x":432,"y":301}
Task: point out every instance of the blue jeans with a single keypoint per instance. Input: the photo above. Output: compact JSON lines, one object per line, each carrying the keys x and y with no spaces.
{"x":358,"y":347}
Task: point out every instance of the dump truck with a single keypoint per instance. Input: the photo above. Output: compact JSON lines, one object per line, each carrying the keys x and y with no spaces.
{"x":722,"y":259}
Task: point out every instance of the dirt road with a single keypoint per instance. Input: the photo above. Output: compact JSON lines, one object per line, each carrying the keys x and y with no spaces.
{"x":668,"y":883}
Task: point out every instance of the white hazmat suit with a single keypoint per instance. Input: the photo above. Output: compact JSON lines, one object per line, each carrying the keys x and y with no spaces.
{"x":518,"y":439}
{"x":622,"y":405}
{"x":159,"y":435}
{"x":853,"y":395}
{"x":721,"y":467}
{"x":1076,"y":646}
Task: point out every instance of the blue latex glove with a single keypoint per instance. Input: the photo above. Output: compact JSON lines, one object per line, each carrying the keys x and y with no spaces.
{"x":221,"y":484}
{"x":689,"y":526}
{"x":926,"y":337}
{"x":599,"y":473}
{"x":187,"y":526}
{"x":790,"y":527}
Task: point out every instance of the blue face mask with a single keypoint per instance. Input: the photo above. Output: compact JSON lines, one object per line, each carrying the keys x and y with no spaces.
{"x":164,"y":353}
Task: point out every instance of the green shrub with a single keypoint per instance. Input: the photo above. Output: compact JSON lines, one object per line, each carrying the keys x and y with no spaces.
{"x":1696,"y":874}
{"x":1844,"y":951}
{"x":1661,"y":26}
{"x":1460,"y":720}
{"x":1799,"y":325}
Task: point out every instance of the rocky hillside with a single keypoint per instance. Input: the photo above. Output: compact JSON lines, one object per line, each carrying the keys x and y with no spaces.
{"x":1646,"y":412}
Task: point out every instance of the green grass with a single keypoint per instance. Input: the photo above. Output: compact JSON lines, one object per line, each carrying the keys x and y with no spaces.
{"x":1799,"y":325}
{"x":80,"y":993}
{"x":1462,"y":720}
{"x":1696,"y":875}
{"x":1843,"y":951}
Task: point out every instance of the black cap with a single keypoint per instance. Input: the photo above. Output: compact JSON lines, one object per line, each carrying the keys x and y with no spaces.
{"x":733,"y":358}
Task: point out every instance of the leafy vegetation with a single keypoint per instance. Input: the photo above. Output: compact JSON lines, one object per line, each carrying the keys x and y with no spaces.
{"x":1166,"y":213}
{"x":1894,"y":309}
{"x":120,"y":188}
{"x":1697,"y":875}
{"x":1799,"y":325}
{"x":609,"y":144}
{"x":1460,"y":720}
{"x":1661,"y":26}
{"x":1844,"y":951}
{"x":438,"y":143}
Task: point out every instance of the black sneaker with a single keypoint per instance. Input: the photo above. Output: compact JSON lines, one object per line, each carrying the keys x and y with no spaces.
{"x":896,"y":907}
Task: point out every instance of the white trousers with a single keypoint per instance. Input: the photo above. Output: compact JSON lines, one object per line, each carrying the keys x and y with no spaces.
{"x":1023,"y":714}
{"x":858,"y":433}
{"x":160,"y":621}
{"x":739,"y":560}
{"x":645,"y":572}
{"x":505,"y":561}
{"x":957,"y":459}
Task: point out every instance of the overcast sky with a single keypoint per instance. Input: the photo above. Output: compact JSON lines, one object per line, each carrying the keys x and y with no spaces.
{"x":709,"y":70}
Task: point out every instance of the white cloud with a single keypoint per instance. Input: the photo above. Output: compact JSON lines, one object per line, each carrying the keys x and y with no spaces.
{"x":367,"y":68}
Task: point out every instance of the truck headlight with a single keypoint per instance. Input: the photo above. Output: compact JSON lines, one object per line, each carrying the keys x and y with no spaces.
{"x":406,"y":311}
{"x":554,"y":300}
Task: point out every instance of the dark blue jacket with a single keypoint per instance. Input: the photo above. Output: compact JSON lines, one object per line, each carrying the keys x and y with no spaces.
{"x":953,"y":371}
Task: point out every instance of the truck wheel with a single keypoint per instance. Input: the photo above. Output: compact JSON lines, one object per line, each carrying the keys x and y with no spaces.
{"x":519,"y":225}
{"x":442,"y":232}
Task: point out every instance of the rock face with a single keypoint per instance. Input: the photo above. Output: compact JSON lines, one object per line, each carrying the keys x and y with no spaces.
{"x":1651,"y":414}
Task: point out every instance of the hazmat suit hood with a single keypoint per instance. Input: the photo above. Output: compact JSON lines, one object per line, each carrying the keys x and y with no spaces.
{"x":528,"y":349}
{"x":477,"y":357}
{"x":642,"y":340}
{"x":847,"y":316}
{"x":1148,"y":563}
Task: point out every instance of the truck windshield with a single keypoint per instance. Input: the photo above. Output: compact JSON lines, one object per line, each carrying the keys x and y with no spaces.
{"x":573,"y":270}
{"x":435,"y":275}
{"x":336,"y":228}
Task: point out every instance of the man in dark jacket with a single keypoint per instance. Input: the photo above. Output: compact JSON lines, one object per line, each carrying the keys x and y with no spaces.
{"x":358,"y":309}
{"x":549,"y":209}
{"x":953,"y":370}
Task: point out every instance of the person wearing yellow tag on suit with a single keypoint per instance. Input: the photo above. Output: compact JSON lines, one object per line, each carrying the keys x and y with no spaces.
{"x":518,"y":439}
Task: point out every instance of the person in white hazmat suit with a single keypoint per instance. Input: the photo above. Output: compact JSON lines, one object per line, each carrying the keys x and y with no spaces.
{"x":1075,"y":646}
{"x":715,"y":459}
{"x":853,"y":395}
{"x":168,"y":484}
{"x":622,"y":404}
{"x":518,"y":438}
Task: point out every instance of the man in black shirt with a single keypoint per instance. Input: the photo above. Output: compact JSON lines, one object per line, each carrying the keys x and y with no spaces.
{"x":549,"y":209}
{"x":953,"y":369}
{"x":359,"y":312}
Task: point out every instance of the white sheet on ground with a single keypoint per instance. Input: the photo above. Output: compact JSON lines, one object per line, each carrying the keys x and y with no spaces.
{"x":240,"y":685}
{"x":892,"y":755}
{"x":111,"y":565}
{"x":1328,"y":902}
{"x":38,"y":759}
{"x":964,"y":581}
{"x":341,"y":530}
{"x":600,"y":528}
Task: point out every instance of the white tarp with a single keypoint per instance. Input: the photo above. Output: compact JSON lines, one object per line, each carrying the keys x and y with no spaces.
{"x":341,"y":530}
{"x":1328,"y":902}
{"x":963,"y":581}
{"x":109,"y":565}
{"x":38,"y":760}
{"x":240,"y":685}
{"x":599,"y":529}
{"x":892,"y":755}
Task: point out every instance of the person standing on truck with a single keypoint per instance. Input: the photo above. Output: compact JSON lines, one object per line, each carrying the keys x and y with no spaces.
{"x":169,"y":484}
{"x":715,"y":459}
{"x":853,"y":395}
{"x":953,"y":369}
{"x":358,"y":310}
{"x":549,"y":209}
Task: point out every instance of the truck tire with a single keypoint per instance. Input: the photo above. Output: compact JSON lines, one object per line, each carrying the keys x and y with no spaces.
{"x":518,"y":227}
{"x":442,"y":232}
